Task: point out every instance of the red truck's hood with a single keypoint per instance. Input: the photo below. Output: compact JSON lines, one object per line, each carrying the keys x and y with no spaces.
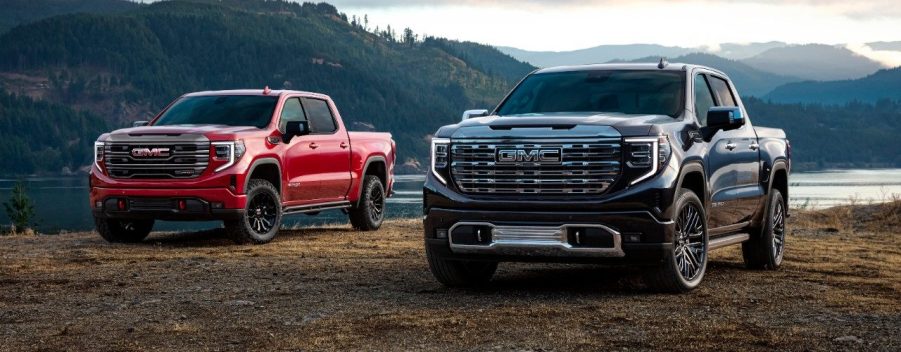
{"x":212,"y":132}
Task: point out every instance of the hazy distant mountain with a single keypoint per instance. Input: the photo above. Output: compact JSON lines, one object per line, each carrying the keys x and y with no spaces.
{"x":736,"y":51}
{"x":598,"y":54}
{"x":888,"y":46}
{"x":884,"y":84}
{"x":814,"y":62}
{"x":16,"y":12}
{"x":748,"y":80}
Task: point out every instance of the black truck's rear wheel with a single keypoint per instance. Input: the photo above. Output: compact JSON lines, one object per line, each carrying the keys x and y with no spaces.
{"x":765,"y":251}
{"x":457,"y":273}
{"x":684,"y":266}
{"x":369,"y":213}
{"x":262,"y":215}
{"x":123,"y":230}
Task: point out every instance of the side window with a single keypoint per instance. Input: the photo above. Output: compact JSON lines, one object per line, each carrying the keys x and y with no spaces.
{"x":703,"y":99}
{"x":292,"y":111}
{"x":321,"y":119}
{"x":723,"y":93}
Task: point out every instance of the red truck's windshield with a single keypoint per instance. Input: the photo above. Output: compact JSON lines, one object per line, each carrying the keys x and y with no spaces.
{"x":229,"y":110}
{"x":623,"y":91}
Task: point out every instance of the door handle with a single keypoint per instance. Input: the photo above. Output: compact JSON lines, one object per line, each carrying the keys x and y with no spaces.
{"x":731,"y":146}
{"x":343,"y":145}
{"x":313,"y":145}
{"x":755,"y":146}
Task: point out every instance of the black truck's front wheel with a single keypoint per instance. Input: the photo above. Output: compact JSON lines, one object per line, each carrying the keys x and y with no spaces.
{"x":684,"y":266}
{"x":262,"y":215}
{"x":123,"y":230}
{"x":369,"y":213}
{"x":766,"y":250}
{"x":457,"y":273}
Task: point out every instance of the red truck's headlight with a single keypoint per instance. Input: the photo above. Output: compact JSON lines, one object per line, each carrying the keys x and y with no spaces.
{"x":226,"y":154}
{"x":99,"y":152}
{"x":649,"y":153}
{"x":440,"y":157}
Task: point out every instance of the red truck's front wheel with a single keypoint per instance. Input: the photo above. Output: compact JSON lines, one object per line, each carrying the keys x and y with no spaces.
{"x":262,"y":215}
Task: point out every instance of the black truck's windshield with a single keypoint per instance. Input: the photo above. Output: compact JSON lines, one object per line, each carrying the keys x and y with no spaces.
{"x":229,"y":110}
{"x":622,"y":91}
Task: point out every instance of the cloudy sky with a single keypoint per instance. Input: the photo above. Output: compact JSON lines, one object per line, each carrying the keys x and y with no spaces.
{"x":572,"y":24}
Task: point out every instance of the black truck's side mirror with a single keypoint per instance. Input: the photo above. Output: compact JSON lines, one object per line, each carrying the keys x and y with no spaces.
{"x":725,"y":118}
{"x":140,"y":123}
{"x":295,"y":129}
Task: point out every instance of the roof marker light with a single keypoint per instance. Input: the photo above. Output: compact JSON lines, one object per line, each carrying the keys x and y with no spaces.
{"x":266,"y":90}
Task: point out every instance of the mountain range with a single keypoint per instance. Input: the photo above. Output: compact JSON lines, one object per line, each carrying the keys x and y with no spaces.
{"x":817,"y":62}
{"x":70,"y":73}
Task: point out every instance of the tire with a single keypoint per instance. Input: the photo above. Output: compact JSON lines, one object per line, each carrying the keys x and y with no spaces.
{"x":683,"y":267}
{"x":262,"y":215}
{"x":456,"y":273}
{"x":123,"y":230}
{"x":369,"y":213}
{"x":765,"y":251}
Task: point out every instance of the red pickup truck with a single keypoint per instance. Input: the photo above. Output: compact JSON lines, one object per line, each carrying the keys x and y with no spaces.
{"x":246,"y":157}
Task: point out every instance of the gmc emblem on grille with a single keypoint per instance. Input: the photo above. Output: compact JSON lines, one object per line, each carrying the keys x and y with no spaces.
{"x":528,"y":155}
{"x":150,"y":152}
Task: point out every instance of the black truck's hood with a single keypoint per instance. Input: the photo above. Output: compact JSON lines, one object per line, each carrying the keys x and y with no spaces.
{"x":556,"y":125}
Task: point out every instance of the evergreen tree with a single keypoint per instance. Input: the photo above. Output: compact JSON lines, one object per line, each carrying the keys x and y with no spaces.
{"x":20,"y":208}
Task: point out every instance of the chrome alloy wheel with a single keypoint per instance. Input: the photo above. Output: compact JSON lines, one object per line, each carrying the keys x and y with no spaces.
{"x":261,"y":213}
{"x":690,"y":249}
{"x":778,"y":231}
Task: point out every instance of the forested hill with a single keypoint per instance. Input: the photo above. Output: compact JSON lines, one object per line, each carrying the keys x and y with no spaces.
{"x":16,"y":12}
{"x":125,"y":67}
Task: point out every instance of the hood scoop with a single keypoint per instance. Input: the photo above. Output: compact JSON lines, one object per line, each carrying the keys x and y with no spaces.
{"x":543,"y":126}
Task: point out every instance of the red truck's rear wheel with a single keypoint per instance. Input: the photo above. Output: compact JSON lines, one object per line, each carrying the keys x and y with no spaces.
{"x":123,"y":230}
{"x":262,"y":215}
{"x":370,"y":212}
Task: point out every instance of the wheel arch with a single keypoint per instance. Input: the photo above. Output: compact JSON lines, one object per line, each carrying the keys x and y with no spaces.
{"x":375,"y":165}
{"x":267,"y":169}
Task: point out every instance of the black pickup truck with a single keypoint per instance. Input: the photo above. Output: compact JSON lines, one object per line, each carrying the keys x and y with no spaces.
{"x":641,"y":164}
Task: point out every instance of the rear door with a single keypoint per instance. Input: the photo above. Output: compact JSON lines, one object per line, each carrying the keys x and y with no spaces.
{"x":733,"y":163}
{"x":329,"y":147}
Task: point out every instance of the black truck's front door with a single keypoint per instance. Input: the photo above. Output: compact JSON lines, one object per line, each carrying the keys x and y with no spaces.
{"x":733,"y":161}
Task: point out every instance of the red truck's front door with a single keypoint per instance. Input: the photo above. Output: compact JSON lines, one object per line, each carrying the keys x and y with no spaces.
{"x":329,"y":148}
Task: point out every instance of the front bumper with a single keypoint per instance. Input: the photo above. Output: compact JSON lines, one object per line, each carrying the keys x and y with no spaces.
{"x":167,"y":204}
{"x":632,"y":236}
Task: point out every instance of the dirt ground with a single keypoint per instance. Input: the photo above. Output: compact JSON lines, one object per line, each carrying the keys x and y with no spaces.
{"x":334,"y":289}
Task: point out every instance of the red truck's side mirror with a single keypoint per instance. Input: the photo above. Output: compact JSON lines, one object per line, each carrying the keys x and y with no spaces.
{"x":295,"y":129}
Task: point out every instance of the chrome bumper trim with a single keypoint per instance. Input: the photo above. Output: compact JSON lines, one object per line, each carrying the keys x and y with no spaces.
{"x":528,"y":240}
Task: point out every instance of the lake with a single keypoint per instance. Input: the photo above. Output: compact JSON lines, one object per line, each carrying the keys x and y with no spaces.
{"x":62,"y":203}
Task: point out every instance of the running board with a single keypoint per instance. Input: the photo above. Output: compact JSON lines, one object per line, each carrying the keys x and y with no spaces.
{"x":727,"y":240}
{"x":316,"y":207}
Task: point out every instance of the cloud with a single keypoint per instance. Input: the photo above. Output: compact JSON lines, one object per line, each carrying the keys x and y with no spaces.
{"x":855,"y":9}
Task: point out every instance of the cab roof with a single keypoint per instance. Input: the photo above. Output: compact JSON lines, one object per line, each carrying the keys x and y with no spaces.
{"x":672,"y":66}
{"x":257,"y":92}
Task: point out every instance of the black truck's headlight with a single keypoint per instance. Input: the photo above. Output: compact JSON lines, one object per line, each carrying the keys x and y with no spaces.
{"x":440,"y":157}
{"x":228,"y":153}
{"x":649,"y":153}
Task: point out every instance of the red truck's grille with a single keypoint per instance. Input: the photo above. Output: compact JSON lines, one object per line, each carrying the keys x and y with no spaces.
{"x":558,"y":167}
{"x":156,"y":159}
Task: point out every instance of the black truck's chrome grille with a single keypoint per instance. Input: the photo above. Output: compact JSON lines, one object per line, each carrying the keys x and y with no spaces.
{"x":157,"y":159}
{"x":559,"y":167}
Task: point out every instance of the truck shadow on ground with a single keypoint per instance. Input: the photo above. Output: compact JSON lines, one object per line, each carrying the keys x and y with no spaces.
{"x":217,"y":237}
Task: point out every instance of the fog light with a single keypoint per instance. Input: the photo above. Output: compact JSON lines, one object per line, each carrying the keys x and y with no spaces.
{"x":217,"y":205}
{"x":632,"y":237}
{"x":441,"y":233}
{"x":121,"y":204}
{"x":98,"y":204}
{"x":182,"y":205}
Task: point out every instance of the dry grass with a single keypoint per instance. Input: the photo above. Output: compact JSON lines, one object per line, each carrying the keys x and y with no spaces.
{"x":331,"y":288}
